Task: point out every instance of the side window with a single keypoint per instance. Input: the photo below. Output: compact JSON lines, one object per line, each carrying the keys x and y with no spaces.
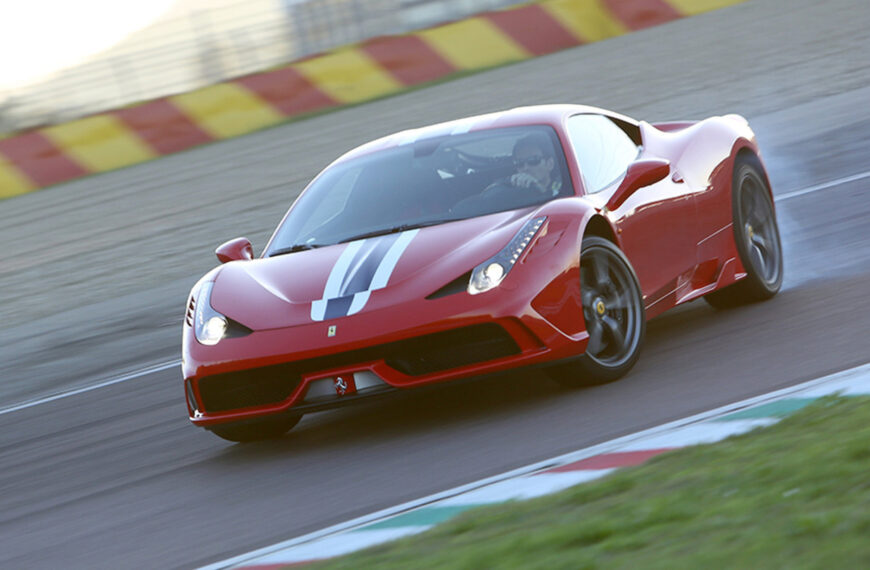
{"x":603,"y":150}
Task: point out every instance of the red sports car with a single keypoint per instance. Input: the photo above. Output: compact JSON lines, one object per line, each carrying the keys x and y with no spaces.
{"x":540,"y":236}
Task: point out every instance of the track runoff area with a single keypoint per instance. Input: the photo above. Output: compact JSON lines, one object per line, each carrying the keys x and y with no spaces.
{"x":554,"y":474}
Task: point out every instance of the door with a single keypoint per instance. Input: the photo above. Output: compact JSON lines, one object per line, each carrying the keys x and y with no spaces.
{"x":656,"y":224}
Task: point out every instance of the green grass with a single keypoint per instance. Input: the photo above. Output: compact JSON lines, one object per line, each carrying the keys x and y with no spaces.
{"x":794,"y":495}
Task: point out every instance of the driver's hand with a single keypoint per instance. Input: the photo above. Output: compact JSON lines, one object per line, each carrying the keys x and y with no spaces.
{"x":526,"y":180}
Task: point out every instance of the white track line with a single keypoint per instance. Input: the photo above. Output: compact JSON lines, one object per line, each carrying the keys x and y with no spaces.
{"x":823,"y":186}
{"x":159,"y":367}
{"x":119,"y":379}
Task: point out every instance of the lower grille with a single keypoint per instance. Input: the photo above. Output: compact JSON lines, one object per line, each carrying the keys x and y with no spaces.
{"x":415,"y":357}
{"x":451,"y":349}
{"x":247,"y":388}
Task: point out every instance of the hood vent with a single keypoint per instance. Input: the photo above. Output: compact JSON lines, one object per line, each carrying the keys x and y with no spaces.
{"x":458,"y":285}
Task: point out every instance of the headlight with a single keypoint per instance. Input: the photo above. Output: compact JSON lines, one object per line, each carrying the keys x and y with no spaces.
{"x":208,"y":325}
{"x":493,"y":271}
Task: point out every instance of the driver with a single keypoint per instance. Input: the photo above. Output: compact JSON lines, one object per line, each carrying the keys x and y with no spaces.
{"x":536,"y":180}
{"x":536,"y":167}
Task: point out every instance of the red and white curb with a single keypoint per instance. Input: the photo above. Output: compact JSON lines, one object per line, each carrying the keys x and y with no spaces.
{"x":551,"y":475}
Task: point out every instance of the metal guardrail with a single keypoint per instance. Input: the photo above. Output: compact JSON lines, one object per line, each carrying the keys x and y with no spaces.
{"x":207,"y":46}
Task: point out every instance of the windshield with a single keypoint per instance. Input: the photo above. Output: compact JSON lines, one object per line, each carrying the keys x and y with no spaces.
{"x":426,"y":182}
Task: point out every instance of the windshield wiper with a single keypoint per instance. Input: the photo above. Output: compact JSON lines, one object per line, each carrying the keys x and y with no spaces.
{"x":373,"y":233}
{"x":295,"y":248}
{"x":397,"y":229}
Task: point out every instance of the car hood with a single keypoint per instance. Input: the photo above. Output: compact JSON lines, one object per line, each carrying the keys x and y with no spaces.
{"x":349,"y":278}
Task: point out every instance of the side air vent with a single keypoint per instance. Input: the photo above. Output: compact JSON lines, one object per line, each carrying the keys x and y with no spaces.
{"x":191,"y":309}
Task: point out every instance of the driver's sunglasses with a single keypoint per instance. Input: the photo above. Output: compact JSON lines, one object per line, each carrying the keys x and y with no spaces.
{"x":528,"y":161}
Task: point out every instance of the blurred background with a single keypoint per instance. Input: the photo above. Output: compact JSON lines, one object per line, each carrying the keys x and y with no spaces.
{"x":78,"y":58}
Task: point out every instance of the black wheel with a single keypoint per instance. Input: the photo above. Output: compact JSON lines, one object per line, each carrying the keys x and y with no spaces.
{"x":757,"y":237}
{"x":256,"y":431}
{"x":614,"y":314}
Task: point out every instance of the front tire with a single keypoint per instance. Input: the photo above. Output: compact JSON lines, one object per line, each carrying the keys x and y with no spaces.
{"x":256,"y":431}
{"x":614,"y":314}
{"x":756,"y":235}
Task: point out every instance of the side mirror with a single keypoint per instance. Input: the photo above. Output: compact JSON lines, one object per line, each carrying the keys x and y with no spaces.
{"x":238,"y":249}
{"x":641,"y":173}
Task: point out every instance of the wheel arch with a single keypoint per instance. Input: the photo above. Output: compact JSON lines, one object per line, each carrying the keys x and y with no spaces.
{"x":599,"y":226}
{"x":748,"y":153}
{"x":756,"y":285}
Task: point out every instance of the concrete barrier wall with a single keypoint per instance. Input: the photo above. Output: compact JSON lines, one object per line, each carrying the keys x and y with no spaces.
{"x":374,"y":68}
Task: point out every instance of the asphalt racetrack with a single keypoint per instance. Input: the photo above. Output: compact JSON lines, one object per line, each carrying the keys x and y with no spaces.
{"x":94,"y":274}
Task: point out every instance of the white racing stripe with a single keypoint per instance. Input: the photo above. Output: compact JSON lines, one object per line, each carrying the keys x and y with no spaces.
{"x":385,"y":269}
{"x":160,"y":367}
{"x":359,"y":301}
{"x":360,"y":270}
{"x":333,"y":283}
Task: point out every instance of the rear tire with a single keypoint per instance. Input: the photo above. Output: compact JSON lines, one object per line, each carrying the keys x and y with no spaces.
{"x":756,"y":235}
{"x":614,"y":314}
{"x":255,"y":431}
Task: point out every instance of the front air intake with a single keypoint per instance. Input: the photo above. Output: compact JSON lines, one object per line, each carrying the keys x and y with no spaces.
{"x":451,"y":349}
{"x":270,"y":385}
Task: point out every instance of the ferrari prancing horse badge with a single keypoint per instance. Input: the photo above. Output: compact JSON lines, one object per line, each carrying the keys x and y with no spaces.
{"x":340,"y":385}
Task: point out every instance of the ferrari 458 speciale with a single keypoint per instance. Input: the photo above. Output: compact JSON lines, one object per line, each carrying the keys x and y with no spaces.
{"x":540,"y":236}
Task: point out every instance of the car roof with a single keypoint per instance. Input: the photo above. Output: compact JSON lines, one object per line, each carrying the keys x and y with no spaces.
{"x":552,"y":115}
